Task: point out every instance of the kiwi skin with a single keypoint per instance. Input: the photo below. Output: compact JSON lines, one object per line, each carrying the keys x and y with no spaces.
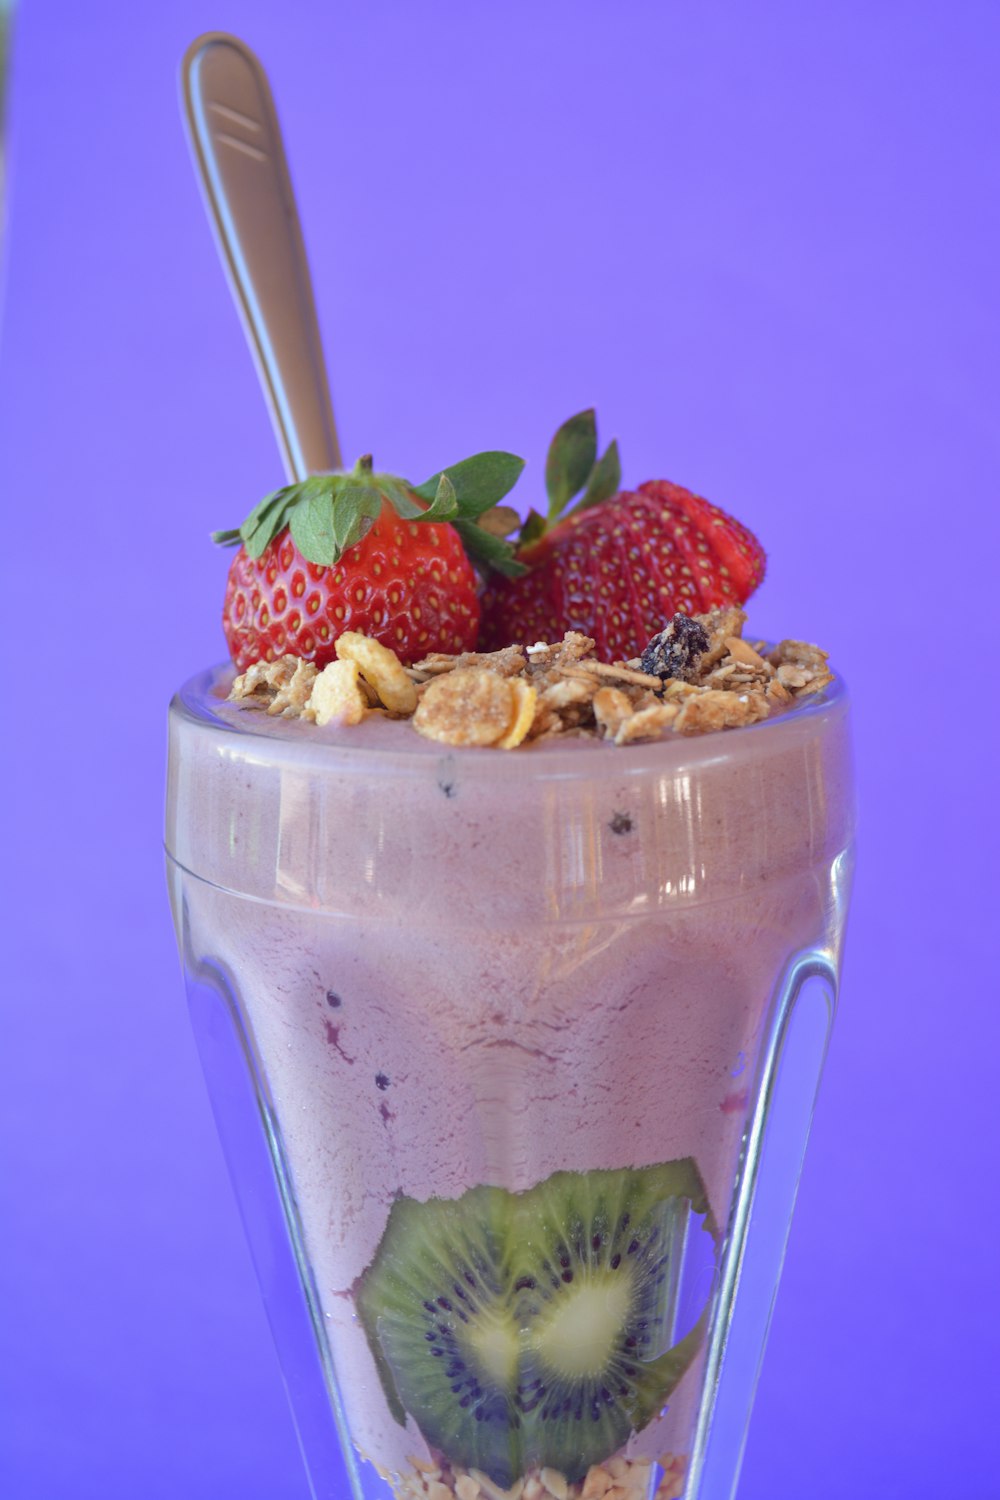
{"x":494,"y":1317}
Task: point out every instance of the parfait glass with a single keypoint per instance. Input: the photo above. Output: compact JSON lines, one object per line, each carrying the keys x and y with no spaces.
{"x":513,"y":1057}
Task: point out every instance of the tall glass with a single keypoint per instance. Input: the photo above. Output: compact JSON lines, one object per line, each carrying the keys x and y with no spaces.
{"x":513,"y":1056}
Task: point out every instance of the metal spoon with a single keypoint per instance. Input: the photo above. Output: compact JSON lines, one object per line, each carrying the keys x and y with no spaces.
{"x":240,"y":162}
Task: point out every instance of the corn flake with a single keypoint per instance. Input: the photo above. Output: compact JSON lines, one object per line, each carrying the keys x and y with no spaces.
{"x":381,"y":668}
{"x":470,"y":706}
{"x":337,"y":695}
{"x":525,"y":703}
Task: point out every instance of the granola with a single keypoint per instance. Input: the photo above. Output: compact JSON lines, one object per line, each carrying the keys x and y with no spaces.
{"x":697,"y":676}
{"x":281,"y":687}
{"x":615,"y":1479}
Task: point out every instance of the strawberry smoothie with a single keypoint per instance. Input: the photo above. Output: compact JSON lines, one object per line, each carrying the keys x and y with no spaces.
{"x":504,"y":929}
{"x":469,"y":970}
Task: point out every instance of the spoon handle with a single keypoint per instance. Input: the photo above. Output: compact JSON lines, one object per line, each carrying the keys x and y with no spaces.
{"x":240,"y":162}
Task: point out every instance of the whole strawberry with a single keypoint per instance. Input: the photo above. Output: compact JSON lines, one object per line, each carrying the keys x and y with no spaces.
{"x":367,"y":552}
{"x":621,"y":562}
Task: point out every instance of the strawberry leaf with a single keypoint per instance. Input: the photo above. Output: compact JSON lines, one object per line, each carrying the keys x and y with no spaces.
{"x":571,"y":457}
{"x":479,"y":482}
{"x":266,"y":519}
{"x":444,"y":506}
{"x":492,"y":551}
{"x":262,"y":507}
{"x":534,"y":527}
{"x":399,"y":497}
{"x":327,"y":513}
{"x":355,"y":507}
{"x":605,"y":480}
{"x":312,"y":528}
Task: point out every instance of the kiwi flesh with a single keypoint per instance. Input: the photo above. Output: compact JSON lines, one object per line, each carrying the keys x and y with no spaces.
{"x":533,"y":1329}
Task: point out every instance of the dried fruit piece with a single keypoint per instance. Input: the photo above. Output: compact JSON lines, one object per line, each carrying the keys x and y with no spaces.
{"x":381,"y":668}
{"x":675,"y":651}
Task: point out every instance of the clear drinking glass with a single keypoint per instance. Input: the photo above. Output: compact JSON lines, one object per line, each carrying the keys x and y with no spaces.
{"x":513,"y":1057}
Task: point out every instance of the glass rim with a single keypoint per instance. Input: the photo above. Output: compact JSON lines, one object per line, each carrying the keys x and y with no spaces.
{"x":305,"y":745}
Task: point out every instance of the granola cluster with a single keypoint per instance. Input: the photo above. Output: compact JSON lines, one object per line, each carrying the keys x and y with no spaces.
{"x":697,"y":675}
{"x":615,"y":1479}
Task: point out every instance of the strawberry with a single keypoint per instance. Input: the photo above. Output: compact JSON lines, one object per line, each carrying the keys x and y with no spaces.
{"x":368,"y":552}
{"x":619,"y":564}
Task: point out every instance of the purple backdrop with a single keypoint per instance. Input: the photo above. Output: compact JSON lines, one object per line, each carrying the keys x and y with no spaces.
{"x":763,"y":240}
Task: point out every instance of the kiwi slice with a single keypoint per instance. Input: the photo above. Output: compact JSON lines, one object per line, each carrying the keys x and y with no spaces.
{"x":522,"y":1330}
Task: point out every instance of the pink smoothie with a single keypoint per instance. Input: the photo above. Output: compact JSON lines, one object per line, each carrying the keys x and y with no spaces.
{"x":465,"y":967}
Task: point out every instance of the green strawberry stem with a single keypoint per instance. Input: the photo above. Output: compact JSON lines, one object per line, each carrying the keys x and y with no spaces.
{"x":328,"y":513}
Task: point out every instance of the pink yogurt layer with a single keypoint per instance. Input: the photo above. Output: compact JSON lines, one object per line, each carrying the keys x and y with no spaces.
{"x":473,"y":967}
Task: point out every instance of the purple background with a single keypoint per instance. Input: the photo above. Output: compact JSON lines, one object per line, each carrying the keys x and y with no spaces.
{"x":763,"y":240}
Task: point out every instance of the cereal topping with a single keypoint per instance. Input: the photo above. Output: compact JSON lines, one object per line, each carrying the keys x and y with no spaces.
{"x":616,"y":1478}
{"x":611,"y":708}
{"x":525,"y":704}
{"x":675,"y":651}
{"x":647,"y":723}
{"x":382,"y":670}
{"x":721,"y":625}
{"x":280,"y":687}
{"x":468,"y":706}
{"x":697,"y":676}
{"x":337,"y":695}
{"x":509,"y":662}
{"x":703,"y":712}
